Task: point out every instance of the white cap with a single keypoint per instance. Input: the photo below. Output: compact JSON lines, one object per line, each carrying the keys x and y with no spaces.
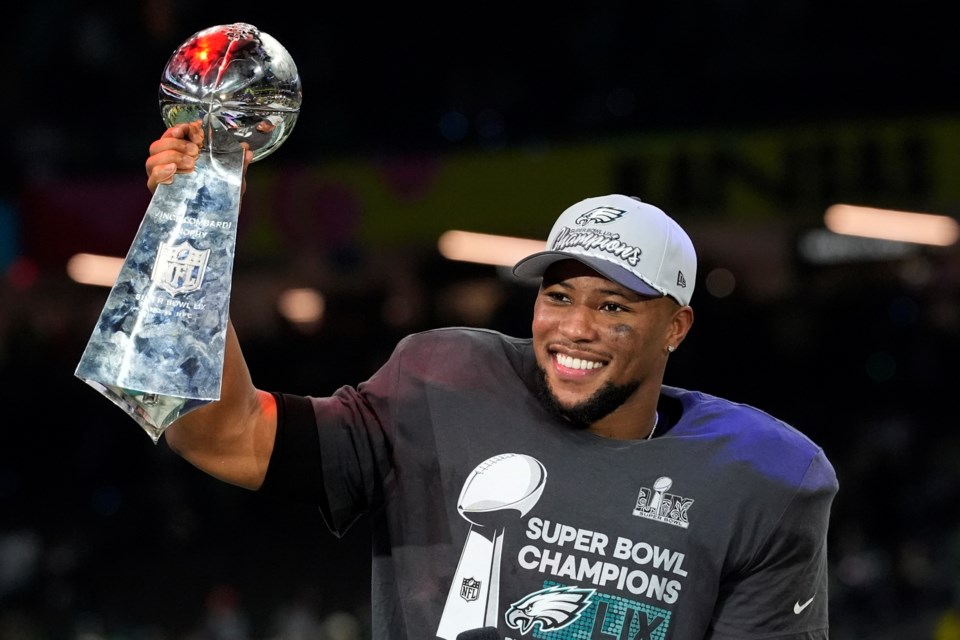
{"x":627,"y":241}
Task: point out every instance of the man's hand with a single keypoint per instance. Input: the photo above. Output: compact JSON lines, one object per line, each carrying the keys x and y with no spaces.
{"x":176,"y":152}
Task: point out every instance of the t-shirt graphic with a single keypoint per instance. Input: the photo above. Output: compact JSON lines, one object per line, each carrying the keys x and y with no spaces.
{"x":497,"y":494}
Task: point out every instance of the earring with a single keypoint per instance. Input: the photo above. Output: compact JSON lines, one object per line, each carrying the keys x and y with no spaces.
{"x":671,"y":348}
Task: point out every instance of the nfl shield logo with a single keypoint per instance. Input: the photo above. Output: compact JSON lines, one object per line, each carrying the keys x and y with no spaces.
{"x":470,"y":589}
{"x":179,"y":268}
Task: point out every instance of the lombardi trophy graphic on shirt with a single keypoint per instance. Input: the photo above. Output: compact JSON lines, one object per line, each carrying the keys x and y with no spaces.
{"x":498,"y":492}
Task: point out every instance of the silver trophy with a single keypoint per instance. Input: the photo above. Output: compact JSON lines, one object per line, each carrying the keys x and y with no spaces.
{"x":157,"y":348}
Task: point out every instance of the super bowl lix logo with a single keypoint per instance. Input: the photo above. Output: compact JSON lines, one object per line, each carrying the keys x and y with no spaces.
{"x":656,"y":504}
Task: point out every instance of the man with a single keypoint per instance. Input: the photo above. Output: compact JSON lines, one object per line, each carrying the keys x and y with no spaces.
{"x":552,"y":485}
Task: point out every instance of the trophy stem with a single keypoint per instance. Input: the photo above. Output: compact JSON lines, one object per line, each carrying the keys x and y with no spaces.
{"x":157,"y":348}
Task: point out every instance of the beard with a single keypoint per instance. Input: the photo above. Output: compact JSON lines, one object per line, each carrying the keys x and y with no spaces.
{"x":602,"y":403}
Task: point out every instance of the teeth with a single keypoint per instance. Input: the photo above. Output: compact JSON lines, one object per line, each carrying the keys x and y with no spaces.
{"x":577,"y":363}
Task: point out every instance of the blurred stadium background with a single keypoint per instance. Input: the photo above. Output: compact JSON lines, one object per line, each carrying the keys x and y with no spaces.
{"x":746,"y":121}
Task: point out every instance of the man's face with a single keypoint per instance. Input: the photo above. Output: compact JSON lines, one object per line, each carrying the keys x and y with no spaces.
{"x":597,"y":343}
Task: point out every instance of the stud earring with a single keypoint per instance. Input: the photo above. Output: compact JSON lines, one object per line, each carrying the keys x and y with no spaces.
{"x":671,"y":348}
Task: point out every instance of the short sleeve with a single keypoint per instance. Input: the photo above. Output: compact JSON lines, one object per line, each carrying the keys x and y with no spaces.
{"x":782,"y":593}
{"x":295,"y":471}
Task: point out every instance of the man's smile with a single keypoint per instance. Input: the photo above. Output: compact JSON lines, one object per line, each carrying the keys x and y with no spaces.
{"x":570,"y":362}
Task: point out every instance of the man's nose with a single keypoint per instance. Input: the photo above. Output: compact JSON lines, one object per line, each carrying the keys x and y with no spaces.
{"x":578,"y":324}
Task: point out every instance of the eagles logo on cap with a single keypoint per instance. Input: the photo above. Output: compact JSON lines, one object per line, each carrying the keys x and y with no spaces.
{"x":600,"y":214}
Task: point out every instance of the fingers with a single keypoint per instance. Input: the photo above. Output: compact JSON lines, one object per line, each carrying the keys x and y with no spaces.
{"x":247,"y":159}
{"x":175,"y":152}
{"x":192,"y":131}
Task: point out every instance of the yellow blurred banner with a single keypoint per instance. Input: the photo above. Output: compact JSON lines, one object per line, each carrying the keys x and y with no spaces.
{"x":789,"y":174}
{"x":736,"y":175}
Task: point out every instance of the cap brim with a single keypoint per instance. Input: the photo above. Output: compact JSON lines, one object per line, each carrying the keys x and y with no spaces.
{"x":534,"y":266}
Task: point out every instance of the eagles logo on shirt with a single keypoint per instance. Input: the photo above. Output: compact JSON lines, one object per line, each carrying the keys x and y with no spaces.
{"x":552,"y":608}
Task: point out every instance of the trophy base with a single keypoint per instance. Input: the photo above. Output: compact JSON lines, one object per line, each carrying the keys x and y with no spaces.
{"x":152,"y":411}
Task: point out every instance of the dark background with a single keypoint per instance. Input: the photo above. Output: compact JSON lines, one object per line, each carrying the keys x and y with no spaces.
{"x":103,"y":534}
{"x":380,"y":80}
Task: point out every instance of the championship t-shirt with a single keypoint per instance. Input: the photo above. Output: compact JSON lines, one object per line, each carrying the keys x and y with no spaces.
{"x":487,"y":510}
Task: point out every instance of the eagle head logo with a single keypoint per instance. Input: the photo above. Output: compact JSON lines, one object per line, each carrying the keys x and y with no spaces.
{"x":553,"y":608}
{"x":600,"y":215}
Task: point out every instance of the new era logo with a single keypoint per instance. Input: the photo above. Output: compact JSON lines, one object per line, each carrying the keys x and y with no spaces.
{"x":681,"y":281}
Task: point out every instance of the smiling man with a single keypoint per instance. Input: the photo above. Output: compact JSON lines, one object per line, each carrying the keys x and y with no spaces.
{"x":520,"y":487}
{"x":614,"y":302}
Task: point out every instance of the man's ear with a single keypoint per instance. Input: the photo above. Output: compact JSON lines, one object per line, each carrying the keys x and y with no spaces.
{"x":680,"y":325}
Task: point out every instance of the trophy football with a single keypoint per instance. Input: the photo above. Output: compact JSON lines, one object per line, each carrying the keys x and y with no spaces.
{"x":157,"y":348}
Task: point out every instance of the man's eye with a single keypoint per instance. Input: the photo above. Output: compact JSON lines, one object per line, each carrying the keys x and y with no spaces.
{"x":610,"y":306}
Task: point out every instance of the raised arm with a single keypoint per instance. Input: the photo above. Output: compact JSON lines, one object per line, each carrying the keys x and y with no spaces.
{"x":230,"y":439}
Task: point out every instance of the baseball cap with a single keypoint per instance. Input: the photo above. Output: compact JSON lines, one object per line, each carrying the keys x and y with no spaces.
{"x":628,"y":241}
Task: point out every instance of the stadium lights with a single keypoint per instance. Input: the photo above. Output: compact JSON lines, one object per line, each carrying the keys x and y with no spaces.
{"x":302,"y":306}
{"x":89,"y":268}
{"x":501,"y":251}
{"x":884,"y":224}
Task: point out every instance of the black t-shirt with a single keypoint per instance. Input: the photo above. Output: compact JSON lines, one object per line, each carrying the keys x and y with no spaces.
{"x":487,"y":510}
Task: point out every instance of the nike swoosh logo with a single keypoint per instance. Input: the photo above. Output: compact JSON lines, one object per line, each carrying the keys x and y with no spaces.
{"x":798,"y":608}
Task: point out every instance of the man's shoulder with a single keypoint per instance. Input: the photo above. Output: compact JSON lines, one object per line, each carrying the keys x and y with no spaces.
{"x":753,"y":437}
{"x":448,"y":347}
{"x":461,"y":337}
{"x":740,"y":420}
